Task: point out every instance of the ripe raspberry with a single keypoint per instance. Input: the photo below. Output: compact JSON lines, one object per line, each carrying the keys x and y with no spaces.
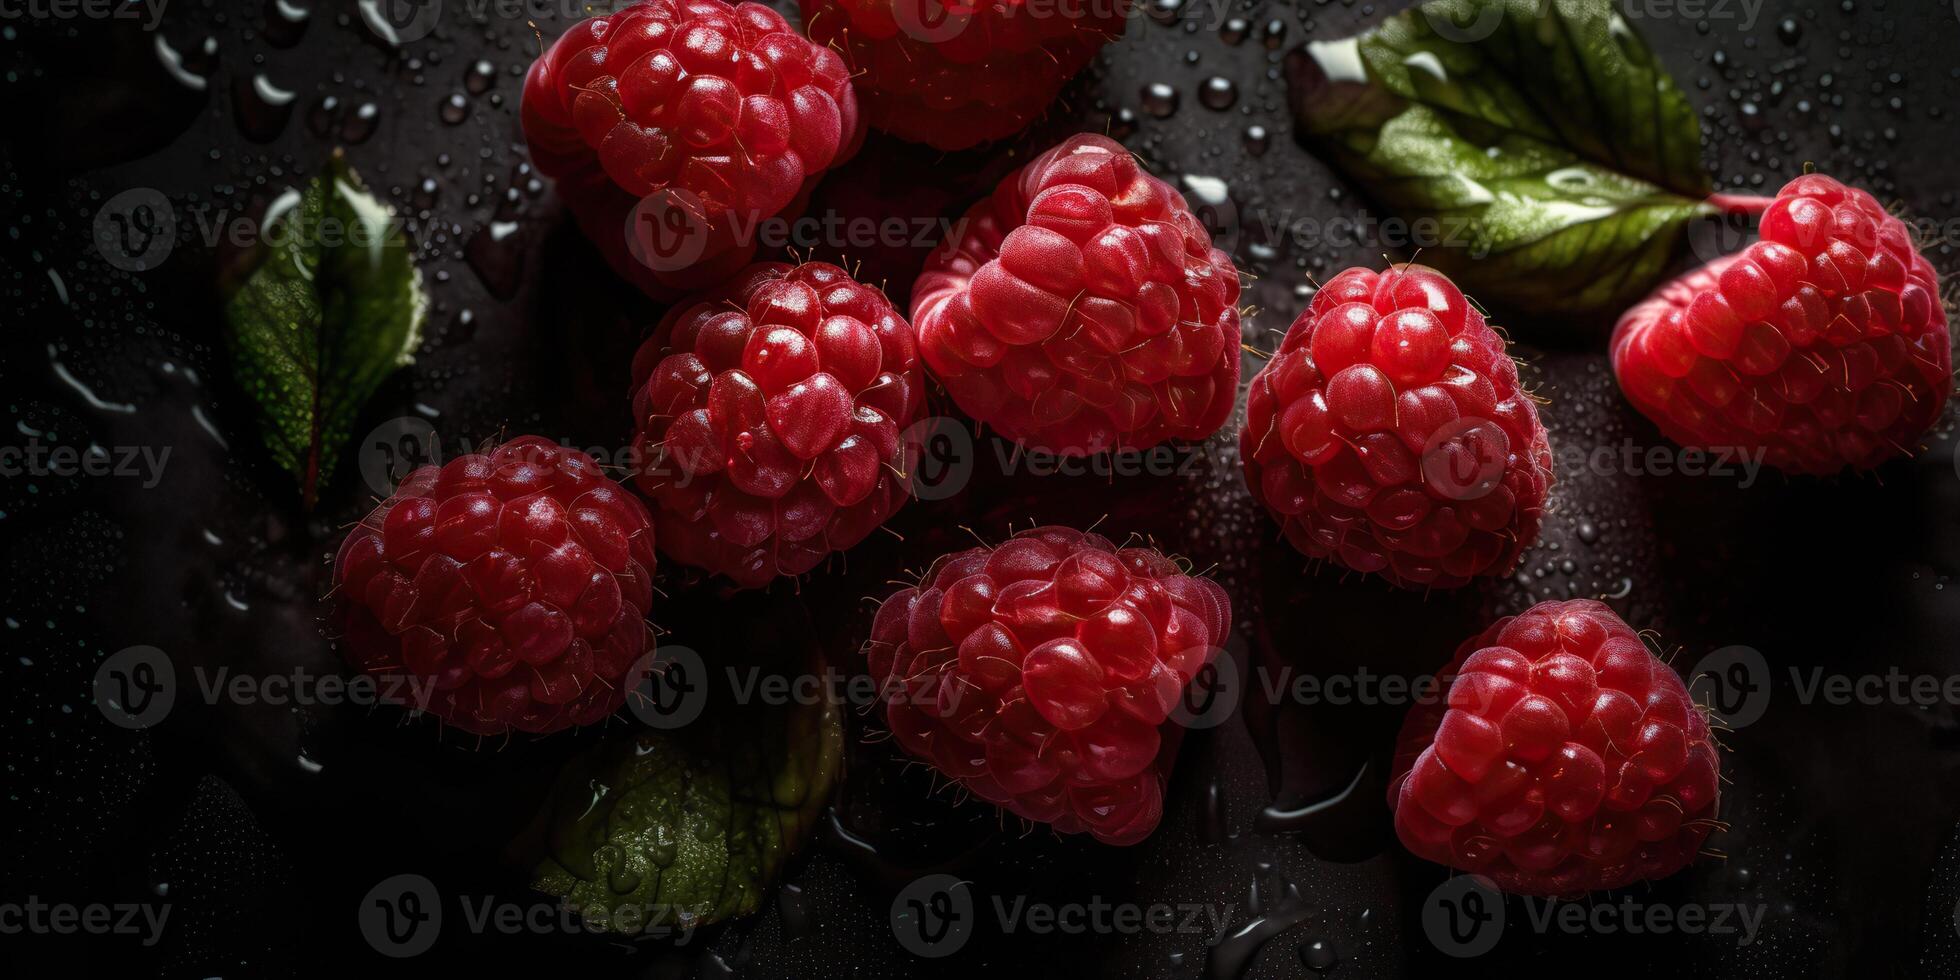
{"x":722,"y":110}
{"x":770,"y":414}
{"x":957,"y":73}
{"x":1822,"y":346}
{"x":1390,"y":435}
{"x":1083,"y":308}
{"x":1567,"y":758}
{"x":509,"y":590}
{"x":1040,"y":674}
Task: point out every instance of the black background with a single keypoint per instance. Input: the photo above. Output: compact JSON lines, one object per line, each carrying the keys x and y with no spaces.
{"x":263,"y":827}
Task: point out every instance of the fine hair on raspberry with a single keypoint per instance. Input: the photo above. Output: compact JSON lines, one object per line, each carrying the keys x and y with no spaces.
{"x":508,"y":589}
{"x":1041,"y":674}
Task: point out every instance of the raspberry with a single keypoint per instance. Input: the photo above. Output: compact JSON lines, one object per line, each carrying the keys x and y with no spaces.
{"x":957,"y":73}
{"x":1040,"y":674}
{"x":1389,"y":433}
{"x":1822,"y":346}
{"x":723,"y":111}
{"x":1567,"y":758}
{"x":1083,"y":308}
{"x":770,"y":413}
{"x":508,"y":589}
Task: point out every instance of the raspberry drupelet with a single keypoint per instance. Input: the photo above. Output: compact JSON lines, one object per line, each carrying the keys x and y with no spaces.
{"x":1566,"y":759}
{"x":1041,"y":674}
{"x":508,"y":588}
{"x":675,"y":126}
{"x":771,"y":415}
{"x":1084,"y":309}
{"x":1823,"y":346}
{"x":1390,"y":434}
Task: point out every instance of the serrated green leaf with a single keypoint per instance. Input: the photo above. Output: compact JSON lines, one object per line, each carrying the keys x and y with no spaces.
{"x":334,"y":306}
{"x":1560,"y":163}
{"x":673,"y":830}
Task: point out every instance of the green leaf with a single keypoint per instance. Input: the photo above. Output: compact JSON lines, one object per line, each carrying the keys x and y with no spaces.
{"x":673,"y":830}
{"x":333,"y":307}
{"x":1555,"y":155}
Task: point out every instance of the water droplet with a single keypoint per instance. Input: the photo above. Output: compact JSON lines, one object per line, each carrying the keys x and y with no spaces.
{"x":1160,"y":100}
{"x":1234,"y":31}
{"x":261,"y":108}
{"x":481,"y":76}
{"x":1789,"y":31}
{"x":1257,"y":140}
{"x":455,"y":109}
{"x":360,"y":125}
{"x":1218,"y":93}
{"x":1318,"y":956}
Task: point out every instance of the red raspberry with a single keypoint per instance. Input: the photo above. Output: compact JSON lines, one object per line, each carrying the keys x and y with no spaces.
{"x":1567,"y":758}
{"x":508,"y":590}
{"x":1822,"y":346}
{"x":1083,"y":308}
{"x":1390,"y":435}
{"x":1040,"y":674}
{"x":770,"y":415}
{"x":957,"y":73}
{"x":722,"y":110}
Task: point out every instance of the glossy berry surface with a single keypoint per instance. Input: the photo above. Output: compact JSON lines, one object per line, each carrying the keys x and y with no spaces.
{"x":769,"y":419}
{"x":958,"y":74}
{"x":1041,"y":674}
{"x":508,"y":590}
{"x":1566,"y":758}
{"x":1389,"y":433}
{"x":1084,"y":308}
{"x":1823,"y":346}
{"x":723,"y":110}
